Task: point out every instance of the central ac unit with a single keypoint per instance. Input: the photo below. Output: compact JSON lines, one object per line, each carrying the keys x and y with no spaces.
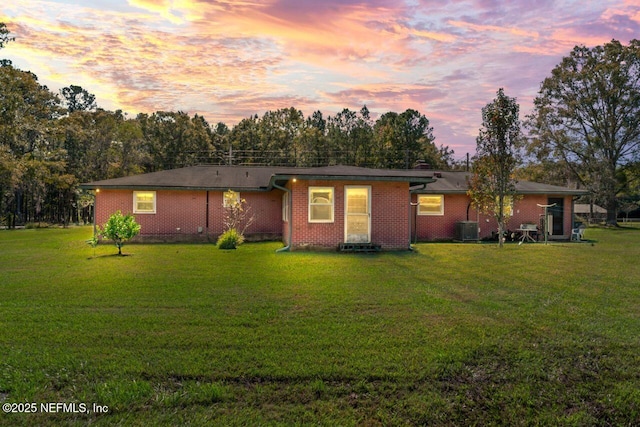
{"x":467,"y":231}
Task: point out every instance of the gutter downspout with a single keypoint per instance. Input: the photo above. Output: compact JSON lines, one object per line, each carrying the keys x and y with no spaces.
{"x":286,"y":190}
{"x":95,"y":205}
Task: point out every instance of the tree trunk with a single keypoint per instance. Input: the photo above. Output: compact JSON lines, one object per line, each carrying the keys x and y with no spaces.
{"x":18,"y":215}
{"x":612,"y":211}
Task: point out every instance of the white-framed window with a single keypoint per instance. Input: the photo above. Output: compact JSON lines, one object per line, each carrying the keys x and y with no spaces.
{"x":430,"y":204}
{"x":285,"y":207}
{"x":144,"y":202}
{"x":230,"y":198}
{"x":321,"y":204}
{"x":507,"y":205}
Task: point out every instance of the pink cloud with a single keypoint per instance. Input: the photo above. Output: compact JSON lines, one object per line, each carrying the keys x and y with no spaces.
{"x":229,"y":59}
{"x":512,"y":31}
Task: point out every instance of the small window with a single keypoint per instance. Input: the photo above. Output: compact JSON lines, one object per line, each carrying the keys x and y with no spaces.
{"x":230,"y":198}
{"x":285,"y":207}
{"x":144,"y":202}
{"x":430,"y":204}
{"x":507,"y":206}
{"x":320,"y":204}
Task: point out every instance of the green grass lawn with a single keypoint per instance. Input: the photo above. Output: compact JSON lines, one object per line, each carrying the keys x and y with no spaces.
{"x":452,"y":334}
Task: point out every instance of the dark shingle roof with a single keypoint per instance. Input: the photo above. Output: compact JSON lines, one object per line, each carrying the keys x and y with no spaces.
{"x":456,"y":183}
{"x":252,"y":178}
{"x":191,"y":178}
{"x":210,"y":177}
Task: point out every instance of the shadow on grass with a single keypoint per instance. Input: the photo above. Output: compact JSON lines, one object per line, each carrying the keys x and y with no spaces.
{"x":109,"y":256}
{"x":628,"y":226}
{"x":625,"y":228}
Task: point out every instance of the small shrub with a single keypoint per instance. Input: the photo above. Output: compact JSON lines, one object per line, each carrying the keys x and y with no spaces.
{"x":230,"y":239}
{"x":93,"y":242}
{"x":35,"y":225}
{"x":120,"y":228}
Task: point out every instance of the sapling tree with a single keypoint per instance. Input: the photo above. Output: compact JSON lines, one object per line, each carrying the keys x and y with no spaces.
{"x":237,"y":219}
{"x":492,"y":186}
{"x":120,"y":228}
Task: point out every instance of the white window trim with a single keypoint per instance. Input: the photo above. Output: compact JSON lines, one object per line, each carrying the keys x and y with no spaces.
{"x":333,"y":200}
{"x":440,"y":213}
{"x":135,"y":203}
{"x":224,"y":198}
{"x":346,"y":214}
{"x":507,"y":208}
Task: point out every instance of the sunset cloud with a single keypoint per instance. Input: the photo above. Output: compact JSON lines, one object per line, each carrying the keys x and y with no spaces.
{"x":517,"y":32}
{"x":228,"y":60}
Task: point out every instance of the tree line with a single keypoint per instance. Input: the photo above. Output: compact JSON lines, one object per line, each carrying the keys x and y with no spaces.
{"x":51,"y":142}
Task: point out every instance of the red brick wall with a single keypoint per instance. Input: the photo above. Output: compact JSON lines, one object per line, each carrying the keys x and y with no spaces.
{"x":110,"y":201}
{"x":435,"y":227}
{"x":526,"y":210}
{"x":186,"y":211}
{"x":389,"y":215}
{"x":266,"y":206}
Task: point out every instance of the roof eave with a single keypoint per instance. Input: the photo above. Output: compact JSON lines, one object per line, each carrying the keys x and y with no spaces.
{"x":411,"y":180}
{"x":91,"y":186}
{"x":428,"y":190}
{"x":523,"y":193}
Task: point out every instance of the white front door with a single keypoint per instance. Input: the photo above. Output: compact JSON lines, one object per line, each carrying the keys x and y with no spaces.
{"x":357,"y":214}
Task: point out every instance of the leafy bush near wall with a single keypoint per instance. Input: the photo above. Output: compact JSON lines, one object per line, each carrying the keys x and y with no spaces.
{"x":230,"y":239}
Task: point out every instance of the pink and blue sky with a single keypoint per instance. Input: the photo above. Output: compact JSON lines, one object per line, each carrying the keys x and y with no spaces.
{"x":229,"y":59}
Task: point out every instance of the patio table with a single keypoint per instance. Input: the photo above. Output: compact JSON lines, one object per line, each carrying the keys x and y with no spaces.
{"x":526,"y":235}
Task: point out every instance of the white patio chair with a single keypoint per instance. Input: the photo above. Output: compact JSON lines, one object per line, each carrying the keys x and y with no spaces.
{"x":577,"y":234}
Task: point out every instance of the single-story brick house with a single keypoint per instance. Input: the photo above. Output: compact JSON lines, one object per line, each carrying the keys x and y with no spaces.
{"x":313,"y":207}
{"x":445,"y":210}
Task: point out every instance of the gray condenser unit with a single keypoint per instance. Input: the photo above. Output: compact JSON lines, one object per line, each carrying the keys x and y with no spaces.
{"x":467,"y":231}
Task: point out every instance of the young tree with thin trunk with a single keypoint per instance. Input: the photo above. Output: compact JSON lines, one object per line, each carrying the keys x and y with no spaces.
{"x":120,"y":228}
{"x":492,"y":186}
